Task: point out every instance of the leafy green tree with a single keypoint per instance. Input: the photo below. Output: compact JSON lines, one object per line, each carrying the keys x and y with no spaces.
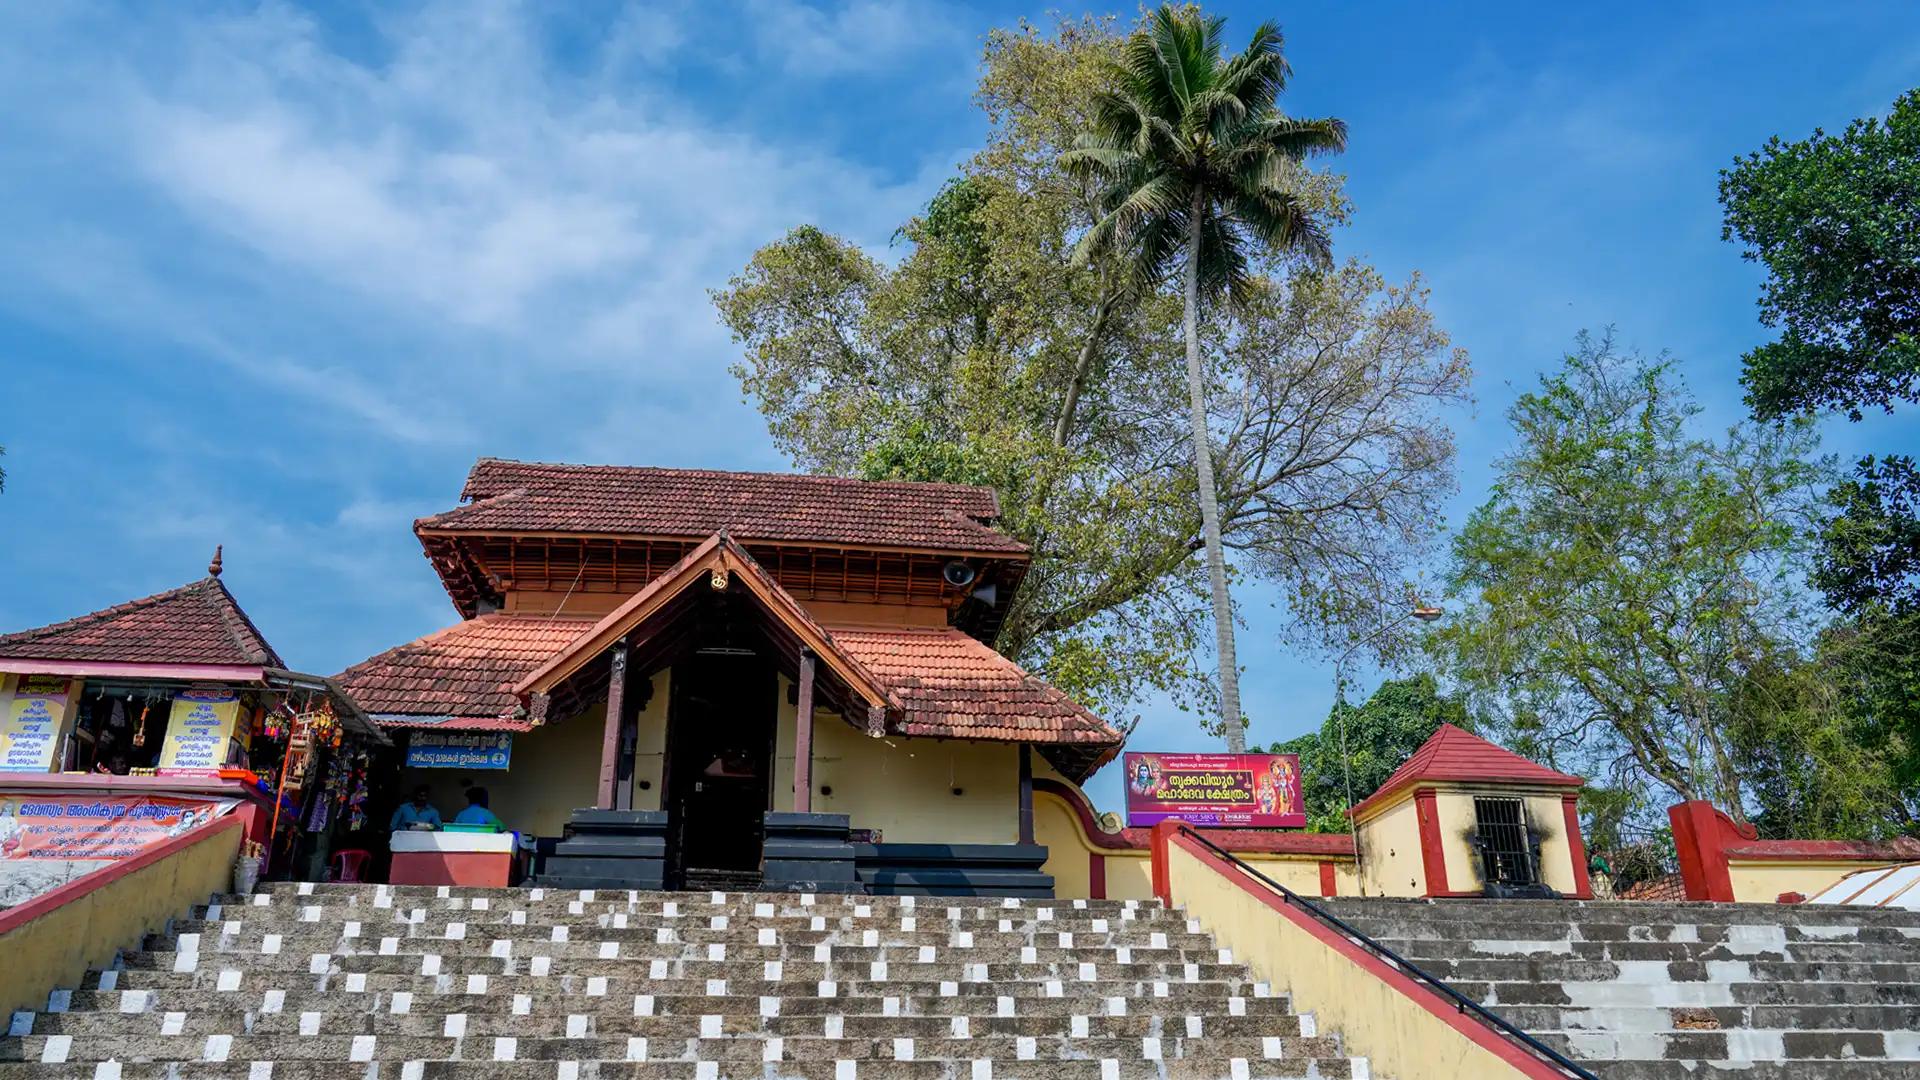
{"x":986,"y":353}
{"x":1836,"y":221}
{"x":1627,"y":574}
{"x":1359,"y":746}
{"x":1812,"y":765}
{"x":1869,"y":557}
{"x":1194,"y":160}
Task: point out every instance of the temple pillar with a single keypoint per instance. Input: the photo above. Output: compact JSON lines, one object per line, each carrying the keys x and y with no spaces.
{"x":616,"y":710}
{"x":1026,"y":793}
{"x":803,"y":739}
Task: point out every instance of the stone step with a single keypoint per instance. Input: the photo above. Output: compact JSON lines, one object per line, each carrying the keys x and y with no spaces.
{"x":1614,"y":911}
{"x":1744,"y":1045}
{"x":1681,"y":994}
{"x":405,"y":983}
{"x":1720,"y":1017}
{"x":1555,"y":969}
{"x":905,"y":967}
{"x":738,"y":1047}
{"x":278,"y":891}
{"x":618,"y":916}
{"x":550,"y":1019}
{"x":241,"y":980}
{"x":965,"y":1069}
{"x":1422,"y":951}
{"x":1755,"y":1070}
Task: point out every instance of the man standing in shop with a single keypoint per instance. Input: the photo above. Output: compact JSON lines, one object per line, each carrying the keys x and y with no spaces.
{"x":418,"y":814}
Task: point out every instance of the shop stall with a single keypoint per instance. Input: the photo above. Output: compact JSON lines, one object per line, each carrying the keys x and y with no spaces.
{"x":162,"y":713}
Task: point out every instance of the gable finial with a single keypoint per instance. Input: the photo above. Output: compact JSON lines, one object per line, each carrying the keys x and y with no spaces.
{"x":213,"y":568}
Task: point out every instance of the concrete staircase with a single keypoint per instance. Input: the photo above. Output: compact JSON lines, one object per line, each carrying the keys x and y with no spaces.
{"x":411,"y":983}
{"x":1652,"y":991}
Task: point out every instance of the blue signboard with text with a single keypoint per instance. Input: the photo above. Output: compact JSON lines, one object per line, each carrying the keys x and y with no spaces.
{"x":459,"y":750}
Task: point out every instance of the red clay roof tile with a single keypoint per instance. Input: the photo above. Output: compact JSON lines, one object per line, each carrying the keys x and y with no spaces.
{"x":1453,"y":753}
{"x":955,"y":687}
{"x":199,"y":623}
{"x":466,"y":671}
{"x":512,"y":496}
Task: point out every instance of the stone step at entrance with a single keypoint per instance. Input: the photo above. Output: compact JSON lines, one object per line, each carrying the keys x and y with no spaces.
{"x":403,"y":982}
{"x":1658,"y":991}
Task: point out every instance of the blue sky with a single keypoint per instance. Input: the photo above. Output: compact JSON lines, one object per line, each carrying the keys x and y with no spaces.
{"x":273,"y":276}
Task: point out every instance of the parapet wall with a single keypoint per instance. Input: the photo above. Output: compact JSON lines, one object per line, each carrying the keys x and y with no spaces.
{"x":1724,"y":861}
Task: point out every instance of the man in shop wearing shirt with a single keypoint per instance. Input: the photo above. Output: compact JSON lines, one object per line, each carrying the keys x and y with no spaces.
{"x":418,"y":814}
{"x":476,"y":812}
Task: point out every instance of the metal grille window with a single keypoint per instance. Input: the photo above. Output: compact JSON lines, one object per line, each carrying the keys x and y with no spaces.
{"x":1503,"y":840}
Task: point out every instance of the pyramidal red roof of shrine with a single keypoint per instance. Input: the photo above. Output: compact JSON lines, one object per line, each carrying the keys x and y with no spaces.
{"x":200,"y":623}
{"x":1456,"y":754}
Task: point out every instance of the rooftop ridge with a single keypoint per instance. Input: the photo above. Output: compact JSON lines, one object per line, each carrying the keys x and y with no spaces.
{"x":209,"y":593}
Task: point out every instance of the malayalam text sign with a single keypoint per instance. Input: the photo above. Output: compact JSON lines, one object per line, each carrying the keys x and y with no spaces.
{"x":198,"y":732}
{"x":31,"y":727}
{"x":1249,"y":791}
{"x":81,"y":826}
{"x":459,"y":750}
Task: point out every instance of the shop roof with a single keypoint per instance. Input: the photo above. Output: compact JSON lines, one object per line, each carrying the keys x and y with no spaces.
{"x":1455,"y":754}
{"x":533,"y":497}
{"x":459,"y":678}
{"x":196,"y":624}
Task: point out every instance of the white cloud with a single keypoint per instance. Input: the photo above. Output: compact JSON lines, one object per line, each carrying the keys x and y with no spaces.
{"x":854,"y":37}
{"x":328,"y":265}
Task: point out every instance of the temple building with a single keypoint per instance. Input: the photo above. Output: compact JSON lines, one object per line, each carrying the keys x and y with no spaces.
{"x":704,"y":678}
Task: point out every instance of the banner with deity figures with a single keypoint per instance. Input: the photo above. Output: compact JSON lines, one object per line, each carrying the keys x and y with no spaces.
{"x":1248,"y":791}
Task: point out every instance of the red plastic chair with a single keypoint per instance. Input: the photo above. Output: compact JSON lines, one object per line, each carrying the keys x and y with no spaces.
{"x":349,"y":865}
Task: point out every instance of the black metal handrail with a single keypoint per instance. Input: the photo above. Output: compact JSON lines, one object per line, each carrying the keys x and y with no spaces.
{"x":1459,"y":1000}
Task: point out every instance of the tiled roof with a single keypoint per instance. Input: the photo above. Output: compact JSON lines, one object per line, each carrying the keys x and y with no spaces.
{"x":955,"y":687}
{"x":195,"y":624}
{"x":1456,"y":754}
{"x":466,"y":671}
{"x":512,"y":496}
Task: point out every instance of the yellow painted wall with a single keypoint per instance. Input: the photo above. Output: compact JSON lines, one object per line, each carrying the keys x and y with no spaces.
{"x":1397,"y":1035}
{"x":1056,"y":827}
{"x":904,"y":787}
{"x":1763,"y":882}
{"x":1454,"y":803}
{"x":59,"y":947}
{"x":1390,"y":850}
{"x":650,"y":747}
{"x":1129,"y":873}
{"x":555,"y":769}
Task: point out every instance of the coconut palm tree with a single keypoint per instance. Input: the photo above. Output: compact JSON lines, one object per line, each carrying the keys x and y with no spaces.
{"x":1193,"y":161}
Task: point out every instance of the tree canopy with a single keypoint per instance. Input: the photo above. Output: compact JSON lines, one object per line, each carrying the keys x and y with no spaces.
{"x":985,"y":352}
{"x":1193,"y":161}
{"x":1627,"y":574}
{"x":1359,"y":746}
{"x":1835,"y":219}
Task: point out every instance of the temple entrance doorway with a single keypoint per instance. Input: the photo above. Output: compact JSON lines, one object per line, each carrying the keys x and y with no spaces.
{"x":721,"y":724}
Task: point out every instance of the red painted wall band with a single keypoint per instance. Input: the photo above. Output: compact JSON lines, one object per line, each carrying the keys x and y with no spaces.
{"x":1097,"y":875}
{"x":1433,"y":856}
{"x":1329,"y":885}
{"x":1702,"y":850}
{"x":1577,"y":845}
